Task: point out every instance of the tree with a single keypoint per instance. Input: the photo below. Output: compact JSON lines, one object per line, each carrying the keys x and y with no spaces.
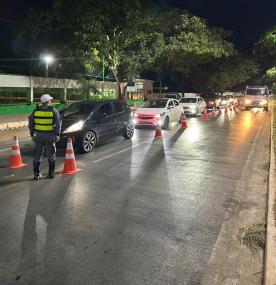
{"x":265,"y":50}
{"x":189,"y":42}
{"x":114,"y":31}
{"x":224,"y":74}
{"x":270,"y":78}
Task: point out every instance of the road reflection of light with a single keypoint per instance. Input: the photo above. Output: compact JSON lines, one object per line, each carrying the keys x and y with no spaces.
{"x":193,"y":134}
{"x":247,"y":122}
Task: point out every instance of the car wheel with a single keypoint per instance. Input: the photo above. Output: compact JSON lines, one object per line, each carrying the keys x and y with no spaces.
{"x":88,"y":142}
{"x":166,"y":123}
{"x":266,"y":109}
{"x":129,"y":131}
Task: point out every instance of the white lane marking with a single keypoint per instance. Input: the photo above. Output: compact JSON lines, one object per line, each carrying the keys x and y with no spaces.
{"x":5,"y":149}
{"x":9,"y":176}
{"x":118,"y":152}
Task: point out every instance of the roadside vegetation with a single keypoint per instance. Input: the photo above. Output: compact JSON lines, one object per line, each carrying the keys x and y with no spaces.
{"x":127,"y":39}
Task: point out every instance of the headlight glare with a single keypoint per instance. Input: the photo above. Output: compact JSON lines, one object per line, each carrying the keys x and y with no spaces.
{"x":75,"y":127}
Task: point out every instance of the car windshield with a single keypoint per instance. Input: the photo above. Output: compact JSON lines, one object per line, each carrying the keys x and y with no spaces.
{"x":209,"y":96}
{"x":256,"y":91}
{"x":155,"y":104}
{"x":188,"y":100}
{"x":79,"y":109}
{"x":172,"y":96}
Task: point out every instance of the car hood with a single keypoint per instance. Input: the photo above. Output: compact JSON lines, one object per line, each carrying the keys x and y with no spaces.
{"x":152,"y":111}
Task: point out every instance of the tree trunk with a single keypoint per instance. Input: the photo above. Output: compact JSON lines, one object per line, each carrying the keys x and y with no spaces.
{"x":122,"y":90}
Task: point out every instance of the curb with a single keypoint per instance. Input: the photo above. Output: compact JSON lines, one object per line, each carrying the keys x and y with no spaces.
{"x":270,"y":249}
{"x":13,"y":125}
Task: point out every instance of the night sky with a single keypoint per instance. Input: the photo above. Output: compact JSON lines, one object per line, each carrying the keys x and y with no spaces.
{"x":247,"y":19}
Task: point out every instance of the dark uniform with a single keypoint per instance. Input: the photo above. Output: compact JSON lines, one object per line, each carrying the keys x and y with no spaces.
{"x":44,"y":125}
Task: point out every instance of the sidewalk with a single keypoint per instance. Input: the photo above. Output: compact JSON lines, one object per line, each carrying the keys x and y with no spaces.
{"x":270,"y":253}
{"x":13,"y":121}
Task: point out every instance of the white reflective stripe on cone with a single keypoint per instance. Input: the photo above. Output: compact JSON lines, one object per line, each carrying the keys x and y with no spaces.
{"x":16,"y":143}
{"x":69,"y":156}
{"x":69,"y":146}
{"x":15,"y":151}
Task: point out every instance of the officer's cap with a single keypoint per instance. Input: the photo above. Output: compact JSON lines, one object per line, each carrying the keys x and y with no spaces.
{"x":45,"y":98}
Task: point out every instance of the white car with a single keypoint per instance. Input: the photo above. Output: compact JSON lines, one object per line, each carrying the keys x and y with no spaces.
{"x":193,"y":105}
{"x":158,"y":112}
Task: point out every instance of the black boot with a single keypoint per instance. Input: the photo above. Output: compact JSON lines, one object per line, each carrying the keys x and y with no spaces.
{"x":37,"y":174}
{"x":51,"y":173}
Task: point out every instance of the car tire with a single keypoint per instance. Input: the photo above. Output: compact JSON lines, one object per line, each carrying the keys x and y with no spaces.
{"x":128,"y":134}
{"x":266,"y":109}
{"x":87,"y":142}
{"x":166,"y":123}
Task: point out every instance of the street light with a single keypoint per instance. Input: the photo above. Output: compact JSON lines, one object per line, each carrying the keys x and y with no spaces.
{"x":48,"y":59}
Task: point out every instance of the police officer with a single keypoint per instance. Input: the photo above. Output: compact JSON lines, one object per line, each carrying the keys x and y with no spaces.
{"x":44,"y":125}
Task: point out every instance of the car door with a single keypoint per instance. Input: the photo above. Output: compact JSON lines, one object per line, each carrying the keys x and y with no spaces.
{"x":105,"y":120}
{"x":200,"y":105}
{"x":177,"y":110}
{"x":171,"y":110}
{"x":120,"y":117}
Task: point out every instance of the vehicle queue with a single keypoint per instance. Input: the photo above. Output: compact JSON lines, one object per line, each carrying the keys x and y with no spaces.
{"x":89,"y":122}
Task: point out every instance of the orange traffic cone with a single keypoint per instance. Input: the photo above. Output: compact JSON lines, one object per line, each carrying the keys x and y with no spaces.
{"x":213,"y":114}
{"x":70,"y":166}
{"x":205,"y":116}
{"x":184,"y":123}
{"x":158,"y":132}
{"x":15,"y":160}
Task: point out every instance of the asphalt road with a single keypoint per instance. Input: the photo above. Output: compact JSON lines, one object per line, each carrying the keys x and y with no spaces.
{"x":143,"y":211}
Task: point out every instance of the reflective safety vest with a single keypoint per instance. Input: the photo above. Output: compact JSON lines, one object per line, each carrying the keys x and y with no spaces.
{"x":44,"y":120}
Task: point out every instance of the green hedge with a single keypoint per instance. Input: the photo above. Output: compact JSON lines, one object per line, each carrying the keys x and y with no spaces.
{"x":8,"y":110}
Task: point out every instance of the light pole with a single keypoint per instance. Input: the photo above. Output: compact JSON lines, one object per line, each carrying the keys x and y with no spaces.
{"x":48,"y":59}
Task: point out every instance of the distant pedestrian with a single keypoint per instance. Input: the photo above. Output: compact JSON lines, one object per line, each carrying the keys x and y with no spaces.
{"x":45,"y":125}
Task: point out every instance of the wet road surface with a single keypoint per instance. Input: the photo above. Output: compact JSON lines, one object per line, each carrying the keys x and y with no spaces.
{"x":143,"y":211}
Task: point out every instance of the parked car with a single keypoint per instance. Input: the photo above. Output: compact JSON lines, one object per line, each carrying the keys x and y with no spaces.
{"x":158,"y":112}
{"x":88,"y":122}
{"x":212,"y":100}
{"x":193,"y":105}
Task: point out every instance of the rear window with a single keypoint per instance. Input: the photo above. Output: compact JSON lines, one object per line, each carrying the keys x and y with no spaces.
{"x":155,"y":104}
{"x":188,"y":100}
{"x":256,"y":91}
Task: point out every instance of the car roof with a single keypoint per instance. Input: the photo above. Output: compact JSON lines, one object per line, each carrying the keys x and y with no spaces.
{"x":97,"y":102}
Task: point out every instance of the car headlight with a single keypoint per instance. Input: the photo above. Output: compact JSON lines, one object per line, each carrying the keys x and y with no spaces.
{"x":158,"y":116}
{"x":135,"y":115}
{"x":74,"y":128}
{"x":247,"y":101}
{"x":264,"y":102}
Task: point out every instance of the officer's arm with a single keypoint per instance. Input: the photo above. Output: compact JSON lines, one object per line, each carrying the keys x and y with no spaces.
{"x":57,"y":123}
{"x":31,"y":123}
